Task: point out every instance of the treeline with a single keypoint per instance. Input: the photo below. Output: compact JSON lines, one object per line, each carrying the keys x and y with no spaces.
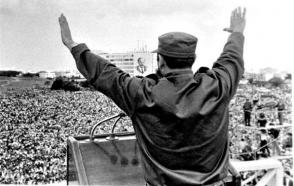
{"x":30,"y":74}
{"x":69,"y":84}
{"x":61,"y":83}
{"x":10,"y":73}
{"x":14,"y":73}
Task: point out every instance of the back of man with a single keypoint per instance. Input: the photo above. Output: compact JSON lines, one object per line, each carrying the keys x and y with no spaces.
{"x":180,"y":119}
{"x":182,"y":126}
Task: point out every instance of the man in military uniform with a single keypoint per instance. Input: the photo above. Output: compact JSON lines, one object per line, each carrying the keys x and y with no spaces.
{"x":181,"y":123}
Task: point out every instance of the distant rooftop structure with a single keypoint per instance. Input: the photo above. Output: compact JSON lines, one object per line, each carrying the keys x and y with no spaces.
{"x":44,"y":74}
{"x":99,"y":52}
{"x":268,"y":70}
{"x":255,"y":76}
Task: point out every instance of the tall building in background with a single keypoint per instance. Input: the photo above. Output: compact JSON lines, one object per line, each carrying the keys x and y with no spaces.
{"x":137,"y":63}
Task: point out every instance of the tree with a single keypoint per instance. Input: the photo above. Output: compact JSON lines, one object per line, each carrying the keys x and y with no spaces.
{"x":288,"y":76}
{"x":250,"y":80}
{"x":57,"y":84}
{"x":276,"y":81}
{"x":30,"y":75}
{"x":64,"y":84}
{"x":9,"y":73}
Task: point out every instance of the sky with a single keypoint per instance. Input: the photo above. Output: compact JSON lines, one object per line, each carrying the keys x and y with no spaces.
{"x":30,"y":34}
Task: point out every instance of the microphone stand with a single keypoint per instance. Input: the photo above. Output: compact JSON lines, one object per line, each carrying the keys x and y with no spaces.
{"x":112,"y":136}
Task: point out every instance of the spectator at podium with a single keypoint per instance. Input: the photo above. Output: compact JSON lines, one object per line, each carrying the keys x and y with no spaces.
{"x":280,"y":108}
{"x":287,"y":142}
{"x":261,"y":120}
{"x":274,"y":134}
{"x":247,"y":108}
{"x":264,"y":149}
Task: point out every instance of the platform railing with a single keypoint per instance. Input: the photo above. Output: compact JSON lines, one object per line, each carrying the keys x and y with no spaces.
{"x":288,"y":180}
{"x":273,"y":175}
{"x":264,"y":172}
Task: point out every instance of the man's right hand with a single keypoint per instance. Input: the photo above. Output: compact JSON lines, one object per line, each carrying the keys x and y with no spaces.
{"x":65,"y":33}
{"x":237,"y":21}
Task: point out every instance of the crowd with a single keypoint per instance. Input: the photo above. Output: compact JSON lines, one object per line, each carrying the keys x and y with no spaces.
{"x":34,"y":125}
{"x":269,"y":131}
{"x":264,"y":123}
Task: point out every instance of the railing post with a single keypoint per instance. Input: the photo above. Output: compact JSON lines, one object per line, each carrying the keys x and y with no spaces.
{"x":274,"y":179}
{"x":274,"y":175}
{"x":279,"y":176}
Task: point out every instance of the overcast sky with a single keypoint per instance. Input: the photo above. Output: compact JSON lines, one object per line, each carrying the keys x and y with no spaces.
{"x":30,"y":35}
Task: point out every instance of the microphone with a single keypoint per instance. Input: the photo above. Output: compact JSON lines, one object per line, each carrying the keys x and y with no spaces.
{"x":119,"y":116}
{"x":112,"y":136}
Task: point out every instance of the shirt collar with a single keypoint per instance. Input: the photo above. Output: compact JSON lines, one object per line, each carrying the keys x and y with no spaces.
{"x":179,"y":72}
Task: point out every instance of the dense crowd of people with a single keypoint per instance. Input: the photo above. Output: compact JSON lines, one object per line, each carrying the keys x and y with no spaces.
{"x":264,"y":126}
{"x":267,"y":130}
{"x":35,"y":123}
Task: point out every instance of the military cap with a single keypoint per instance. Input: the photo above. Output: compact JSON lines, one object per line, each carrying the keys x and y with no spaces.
{"x":177,"y":44}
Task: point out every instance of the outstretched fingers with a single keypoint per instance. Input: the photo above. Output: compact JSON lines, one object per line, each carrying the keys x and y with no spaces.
{"x":241,"y":12}
{"x":233,"y":13}
{"x":237,"y":21}
{"x":62,"y":19}
{"x":65,"y":31}
{"x":244,"y":12}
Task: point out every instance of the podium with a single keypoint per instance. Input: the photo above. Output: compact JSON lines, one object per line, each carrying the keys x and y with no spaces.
{"x":104,"y":162}
{"x":111,"y":159}
{"x":106,"y":159}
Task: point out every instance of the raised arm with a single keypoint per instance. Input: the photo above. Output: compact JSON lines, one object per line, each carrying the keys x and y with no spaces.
{"x":230,"y":66}
{"x":65,"y":33}
{"x":238,"y":21}
{"x":104,"y":76}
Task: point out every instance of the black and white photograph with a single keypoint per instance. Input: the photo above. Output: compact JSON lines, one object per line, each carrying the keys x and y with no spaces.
{"x":146,"y":92}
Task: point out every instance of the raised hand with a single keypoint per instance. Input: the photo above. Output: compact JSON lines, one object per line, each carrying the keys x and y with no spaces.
{"x":65,"y":32}
{"x":238,"y":21}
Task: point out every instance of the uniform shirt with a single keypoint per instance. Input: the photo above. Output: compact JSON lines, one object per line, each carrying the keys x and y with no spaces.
{"x":247,"y":106}
{"x":262,"y":122}
{"x":180,"y":120}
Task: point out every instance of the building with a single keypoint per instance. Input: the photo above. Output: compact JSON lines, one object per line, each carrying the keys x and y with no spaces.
{"x":60,"y":74}
{"x":45,"y":74}
{"x":255,"y":76}
{"x":68,"y":74}
{"x":133,"y":63}
{"x":124,"y":61}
